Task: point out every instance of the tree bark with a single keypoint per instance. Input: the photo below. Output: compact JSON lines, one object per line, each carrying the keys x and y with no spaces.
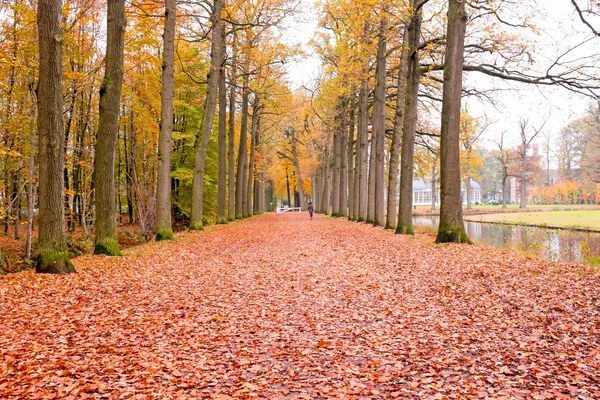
{"x":451,"y":228}
{"x":222,"y":145}
{"x":298,"y":172}
{"x":325,"y":192}
{"x":287,"y":185}
{"x":392,"y":202}
{"x":210,"y":105}
{"x":164,"y":231}
{"x":231,"y":143}
{"x":409,"y":127}
{"x":523,"y":202}
{"x":242,"y":166}
{"x":371,"y":180}
{"x":343,"y":191}
{"x":52,"y":247}
{"x":335,"y":184}
{"x":350,"y":162}
{"x":363,"y":138}
{"x":108,"y":128}
{"x":251,"y":173}
{"x":31,"y":187}
{"x":379,"y":128}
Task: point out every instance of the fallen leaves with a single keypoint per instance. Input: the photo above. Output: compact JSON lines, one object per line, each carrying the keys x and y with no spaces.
{"x":283,"y":307}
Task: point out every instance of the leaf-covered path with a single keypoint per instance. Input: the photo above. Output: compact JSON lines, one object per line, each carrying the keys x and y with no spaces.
{"x":281,"y":307}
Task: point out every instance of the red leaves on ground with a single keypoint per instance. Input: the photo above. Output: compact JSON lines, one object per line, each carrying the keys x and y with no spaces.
{"x":281,"y":307}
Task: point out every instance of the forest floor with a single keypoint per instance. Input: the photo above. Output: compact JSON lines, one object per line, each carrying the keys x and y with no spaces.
{"x":278,"y":306}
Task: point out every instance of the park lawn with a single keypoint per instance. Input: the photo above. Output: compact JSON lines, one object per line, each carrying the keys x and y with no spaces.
{"x":575,"y":219}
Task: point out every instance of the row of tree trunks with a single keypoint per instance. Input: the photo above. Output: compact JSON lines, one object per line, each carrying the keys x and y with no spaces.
{"x":378,"y":148}
{"x":368,"y":186}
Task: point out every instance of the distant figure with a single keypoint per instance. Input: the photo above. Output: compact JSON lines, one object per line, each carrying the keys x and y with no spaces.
{"x":311,"y":209}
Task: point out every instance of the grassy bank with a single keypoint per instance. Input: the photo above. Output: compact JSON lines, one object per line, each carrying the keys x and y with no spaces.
{"x":573,"y":219}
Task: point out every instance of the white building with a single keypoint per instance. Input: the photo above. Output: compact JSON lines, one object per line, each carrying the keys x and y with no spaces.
{"x":422,"y":193}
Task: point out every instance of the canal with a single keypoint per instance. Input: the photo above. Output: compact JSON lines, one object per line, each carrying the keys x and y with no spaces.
{"x":544,"y":243}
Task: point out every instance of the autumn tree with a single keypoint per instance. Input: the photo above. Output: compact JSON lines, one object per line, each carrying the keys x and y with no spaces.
{"x":470,"y":161}
{"x":525,"y":168}
{"x":405,"y":225}
{"x":52,"y":247}
{"x":104,"y":163}
{"x":451,"y":227}
{"x":164,"y":230}
{"x":210,"y":104}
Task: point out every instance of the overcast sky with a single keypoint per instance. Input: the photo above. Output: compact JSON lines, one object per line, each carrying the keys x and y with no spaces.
{"x":559,"y":27}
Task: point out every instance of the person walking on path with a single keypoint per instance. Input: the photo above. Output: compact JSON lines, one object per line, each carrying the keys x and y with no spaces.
{"x":311,"y":209}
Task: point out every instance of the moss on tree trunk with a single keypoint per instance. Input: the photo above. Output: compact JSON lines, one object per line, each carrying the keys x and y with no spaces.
{"x":405,"y":229}
{"x":107,"y":246}
{"x":452,"y":234}
{"x":53,"y":262}
{"x":165,"y":234}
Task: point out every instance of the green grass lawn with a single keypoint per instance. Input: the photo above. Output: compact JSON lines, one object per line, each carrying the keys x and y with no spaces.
{"x":580,"y":219}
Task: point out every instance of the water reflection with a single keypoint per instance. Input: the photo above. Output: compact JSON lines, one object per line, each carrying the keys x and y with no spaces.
{"x":545,"y":243}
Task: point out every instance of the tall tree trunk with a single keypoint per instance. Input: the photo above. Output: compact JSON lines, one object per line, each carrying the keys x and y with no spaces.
{"x":433,"y":179}
{"x":16,"y":204}
{"x":392,"y":202}
{"x":451,"y":227}
{"x":164,"y":231}
{"x":129,"y":165}
{"x":108,"y":128}
{"x":363,"y":139}
{"x":52,"y":246}
{"x":231,"y":143}
{"x":523,"y":203}
{"x":248,"y":211}
{"x":504,"y":189}
{"x":335,"y":184}
{"x":240,"y":186}
{"x":222,"y":144}
{"x":210,"y":105}
{"x":350,"y":162}
{"x":287,"y":185}
{"x":31,"y":187}
{"x":315,"y":185}
{"x":258,"y":178}
{"x":326,"y":175}
{"x":379,"y":129}
{"x":343,"y":191}
{"x":409,"y":127}
{"x":371,"y":180}
{"x":298,"y":173}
